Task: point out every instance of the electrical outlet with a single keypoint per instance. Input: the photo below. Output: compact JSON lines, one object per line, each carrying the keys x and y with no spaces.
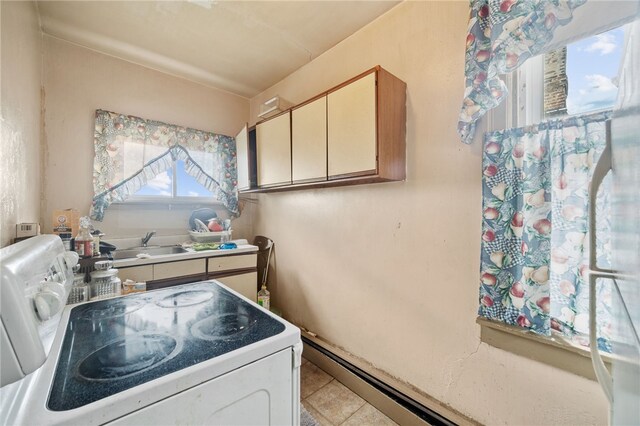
{"x":27,"y":230}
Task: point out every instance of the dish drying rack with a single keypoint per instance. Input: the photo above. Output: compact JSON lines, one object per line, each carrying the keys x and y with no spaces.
{"x":202,"y":234}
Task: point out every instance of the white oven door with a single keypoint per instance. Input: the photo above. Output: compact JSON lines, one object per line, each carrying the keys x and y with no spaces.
{"x":265,"y":392}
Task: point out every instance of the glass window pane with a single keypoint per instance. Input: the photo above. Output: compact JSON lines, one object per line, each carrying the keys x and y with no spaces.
{"x":592,"y":69}
{"x":187,"y":186}
{"x":160,"y":186}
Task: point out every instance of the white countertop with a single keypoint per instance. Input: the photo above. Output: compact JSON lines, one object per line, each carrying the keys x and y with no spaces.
{"x":189,"y":255}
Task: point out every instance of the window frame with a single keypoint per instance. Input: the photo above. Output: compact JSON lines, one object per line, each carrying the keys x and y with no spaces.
{"x":524,"y":103}
{"x":552,"y":350}
{"x":172,"y":199}
{"x":523,"y":106}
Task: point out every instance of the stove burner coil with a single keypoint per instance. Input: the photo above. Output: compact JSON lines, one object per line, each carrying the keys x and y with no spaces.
{"x":221,"y":327}
{"x":128,"y":356}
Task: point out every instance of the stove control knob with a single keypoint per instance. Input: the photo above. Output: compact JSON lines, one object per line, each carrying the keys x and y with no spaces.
{"x":47,"y":303}
{"x":55,"y":287}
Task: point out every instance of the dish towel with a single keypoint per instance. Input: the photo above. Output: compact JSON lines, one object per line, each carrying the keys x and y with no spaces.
{"x":307,"y":419}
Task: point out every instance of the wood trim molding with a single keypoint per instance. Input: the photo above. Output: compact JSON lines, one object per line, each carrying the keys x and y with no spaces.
{"x":375,"y":398}
{"x":351,"y":80}
{"x":146,"y":58}
{"x":353,"y":175}
{"x":359,"y":180}
{"x":391,"y":126}
{"x":170,"y":282}
{"x":230,"y":272}
{"x":553,"y":350}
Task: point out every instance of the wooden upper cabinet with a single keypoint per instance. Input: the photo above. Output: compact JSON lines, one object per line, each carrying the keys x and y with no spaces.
{"x":351,"y":129}
{"x":242,"y":157}
{"x":273,"y":151}
{"x":309,"y":141}
{"x":351,"y":134}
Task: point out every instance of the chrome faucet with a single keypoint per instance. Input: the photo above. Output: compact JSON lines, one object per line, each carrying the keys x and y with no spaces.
{"x":147,"y":237}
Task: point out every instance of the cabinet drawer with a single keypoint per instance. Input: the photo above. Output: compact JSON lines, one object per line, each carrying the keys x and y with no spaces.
{"x":136,"y":273}
{"x":245,"y":284}
{"x":177,"y":269}
{"x":229,"y":263}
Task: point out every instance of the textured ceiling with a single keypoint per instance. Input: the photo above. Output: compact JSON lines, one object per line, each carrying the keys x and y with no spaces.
{"x":240,"y":46}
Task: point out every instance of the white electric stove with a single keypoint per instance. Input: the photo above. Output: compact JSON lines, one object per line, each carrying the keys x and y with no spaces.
{"x":192,"y":354}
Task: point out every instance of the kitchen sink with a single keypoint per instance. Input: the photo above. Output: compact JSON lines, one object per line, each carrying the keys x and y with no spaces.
{"x":152,"y":251}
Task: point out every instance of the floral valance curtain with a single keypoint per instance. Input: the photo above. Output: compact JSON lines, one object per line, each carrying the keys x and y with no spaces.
{"x":502,"y":35}
{"x":130,"y":151}
{"x":534,"y":234}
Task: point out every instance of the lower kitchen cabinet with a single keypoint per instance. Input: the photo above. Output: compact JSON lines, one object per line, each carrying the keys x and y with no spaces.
{"x":231,"y":263}
{"x":238,"y":272}
{"x":136,"y":273}
{"x":163,"y":271}
{"x":245,"y":284}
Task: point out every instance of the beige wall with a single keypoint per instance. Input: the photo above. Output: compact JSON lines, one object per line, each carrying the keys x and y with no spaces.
{"x":21,"y":76}
{"x":389,"y":271}
{"x":77,"y":81}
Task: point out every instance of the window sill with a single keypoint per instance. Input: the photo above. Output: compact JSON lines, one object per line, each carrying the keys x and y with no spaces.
{"x":552,"y":350}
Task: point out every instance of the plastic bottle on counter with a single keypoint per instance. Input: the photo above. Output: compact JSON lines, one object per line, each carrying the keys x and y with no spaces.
{"x":66,"y":240}
{"x":96,"y":241}
{"x":84,"y":240}
{"x":264,"y":297}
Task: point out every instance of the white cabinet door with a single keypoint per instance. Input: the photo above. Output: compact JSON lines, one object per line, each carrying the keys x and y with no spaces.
{"x":230,"y":263}
{"x":309,"y":141}
{"x":245,"y":284}
{"x":178,"y":269}
{"x":242,"y":157}
{"x":273,"y":146}
{"x":351,"y":128}
{"x":136,"y":273}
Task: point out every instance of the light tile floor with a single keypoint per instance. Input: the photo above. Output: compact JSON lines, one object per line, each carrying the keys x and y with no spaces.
{"x":333,"y":404}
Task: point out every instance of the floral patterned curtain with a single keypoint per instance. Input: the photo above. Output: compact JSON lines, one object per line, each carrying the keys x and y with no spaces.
{"x":502,"y":35}
{"x":534,"y":232}
{"x":129,"y":151}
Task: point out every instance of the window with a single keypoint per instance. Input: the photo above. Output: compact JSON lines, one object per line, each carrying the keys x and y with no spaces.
{"x":592,"y":68}
{"x":174,"y":184}
{"x":578,"y":78}
{"x":581,"y":77}
{"x":149,"y":160}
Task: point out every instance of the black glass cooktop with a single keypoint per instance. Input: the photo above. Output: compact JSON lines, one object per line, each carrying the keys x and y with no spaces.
{"x":113,"y":345}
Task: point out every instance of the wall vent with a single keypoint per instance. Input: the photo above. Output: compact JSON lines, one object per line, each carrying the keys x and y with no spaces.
{"x":273,"y":106}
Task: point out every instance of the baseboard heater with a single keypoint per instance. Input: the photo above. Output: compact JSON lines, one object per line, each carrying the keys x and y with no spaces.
{"x":425,"y":413}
